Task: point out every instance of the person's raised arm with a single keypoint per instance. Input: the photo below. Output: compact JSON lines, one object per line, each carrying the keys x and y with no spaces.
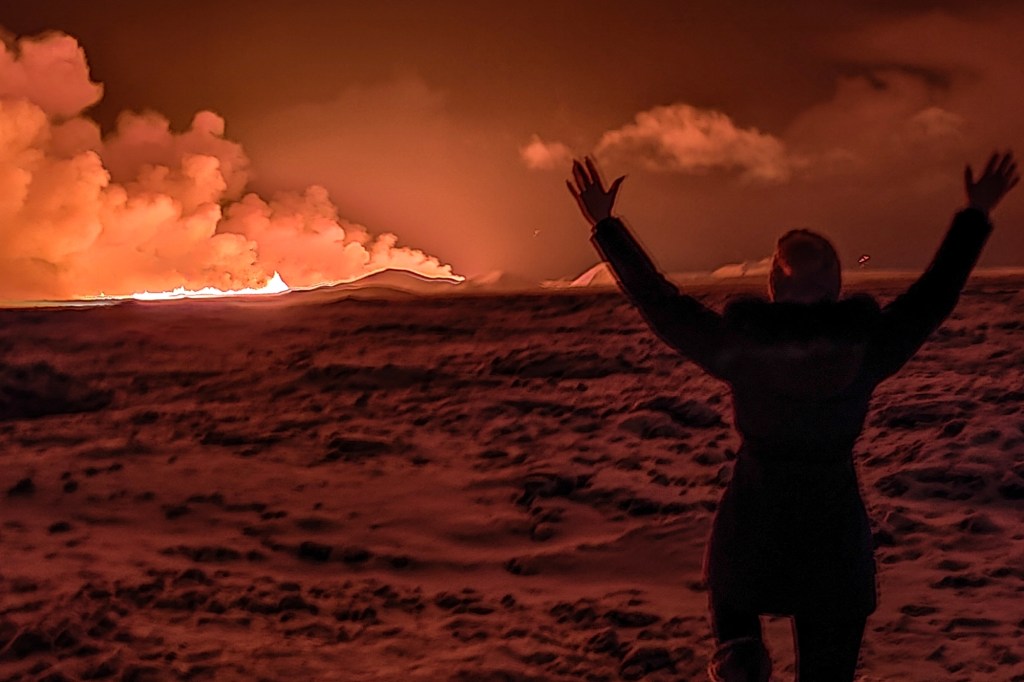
{"x":681,"y":321}
{"x":910,"y":318}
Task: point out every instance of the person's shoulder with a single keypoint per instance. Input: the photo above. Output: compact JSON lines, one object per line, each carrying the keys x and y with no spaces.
{"x":861,"y":304}
{"x":746,"y":305}
{"x":850,"y":318}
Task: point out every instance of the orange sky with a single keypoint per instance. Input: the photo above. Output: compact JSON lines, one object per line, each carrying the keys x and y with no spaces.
{"x":734,"y":121}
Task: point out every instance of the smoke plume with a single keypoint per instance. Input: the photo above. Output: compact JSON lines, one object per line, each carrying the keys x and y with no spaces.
{"x":147,"y":207}
{"x":541,"y":155}
{"x":677,"y":138}
{"x":684,"y":138}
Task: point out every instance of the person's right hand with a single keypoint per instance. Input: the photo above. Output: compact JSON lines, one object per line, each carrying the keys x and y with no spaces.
{"x":998,"y":178}
{"x":594,"y":200}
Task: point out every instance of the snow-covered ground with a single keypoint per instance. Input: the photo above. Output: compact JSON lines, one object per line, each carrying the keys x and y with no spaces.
{"x":491,"y":488}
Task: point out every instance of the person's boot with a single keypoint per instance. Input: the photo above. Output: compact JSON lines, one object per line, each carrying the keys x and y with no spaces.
{"x":741,"y":660}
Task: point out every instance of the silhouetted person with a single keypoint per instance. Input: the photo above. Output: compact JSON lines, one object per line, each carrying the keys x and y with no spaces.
{"x":791,"y":535}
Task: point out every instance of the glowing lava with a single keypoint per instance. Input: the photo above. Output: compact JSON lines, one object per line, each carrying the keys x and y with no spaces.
{"x":275,"y":285}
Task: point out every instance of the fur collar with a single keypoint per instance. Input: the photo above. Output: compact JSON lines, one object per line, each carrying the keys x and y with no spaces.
{"x":801,"y":351}
{"x":850,"y":319}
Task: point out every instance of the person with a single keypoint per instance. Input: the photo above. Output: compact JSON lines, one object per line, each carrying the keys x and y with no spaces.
{"x":791,"y":534}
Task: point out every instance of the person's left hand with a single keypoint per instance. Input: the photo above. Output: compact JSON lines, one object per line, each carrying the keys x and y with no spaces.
{"x":998,"y":178}
{"x":594,"y":200}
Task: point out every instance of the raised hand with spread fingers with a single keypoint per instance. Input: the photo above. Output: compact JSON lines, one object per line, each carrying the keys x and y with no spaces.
{"x":998,"y":178}
{"x":594,"y":200}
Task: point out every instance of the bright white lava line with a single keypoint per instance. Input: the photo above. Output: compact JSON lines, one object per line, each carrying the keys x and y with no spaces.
{"x":275,"y":285}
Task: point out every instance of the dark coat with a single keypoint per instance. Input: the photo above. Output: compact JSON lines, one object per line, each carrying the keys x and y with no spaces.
{"x":791,"y":534}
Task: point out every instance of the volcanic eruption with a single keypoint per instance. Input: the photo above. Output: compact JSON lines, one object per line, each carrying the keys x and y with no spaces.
{"x":147,"y":208}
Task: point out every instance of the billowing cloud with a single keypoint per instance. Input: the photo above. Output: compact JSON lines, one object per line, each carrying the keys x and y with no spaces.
{"x":147,"y":207}
{"x":541,"y":155}
{"x":683,"y":138}
{"x":882,"y":117}
{"x":49,"y":71}
{"x":678,"y":138}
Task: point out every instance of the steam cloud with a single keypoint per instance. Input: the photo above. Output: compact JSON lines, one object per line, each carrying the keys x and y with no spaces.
{"x":681,"y":137}
{"x":678,"y":138}
{"x":149,"y":208}
{"x":541,"y":155}
{"x":885,"y":115}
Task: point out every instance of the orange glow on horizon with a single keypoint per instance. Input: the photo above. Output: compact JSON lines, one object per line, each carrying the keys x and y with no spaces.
{"x":275,"y":285}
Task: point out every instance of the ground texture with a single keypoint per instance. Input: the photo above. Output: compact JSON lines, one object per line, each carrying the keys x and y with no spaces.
{"x":501,"y":489}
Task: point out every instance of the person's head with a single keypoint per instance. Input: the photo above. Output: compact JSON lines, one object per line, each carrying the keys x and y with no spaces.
{"x":805,"y":269}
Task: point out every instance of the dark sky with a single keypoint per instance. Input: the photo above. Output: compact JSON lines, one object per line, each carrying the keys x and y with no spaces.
{"x":851,"y":117}
{"x":527,"y":60}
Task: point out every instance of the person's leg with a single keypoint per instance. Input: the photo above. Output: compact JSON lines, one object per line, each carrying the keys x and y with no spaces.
{"x":741,"y":655}
{"x":827,"y":646}
{"x":730,"y":623}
